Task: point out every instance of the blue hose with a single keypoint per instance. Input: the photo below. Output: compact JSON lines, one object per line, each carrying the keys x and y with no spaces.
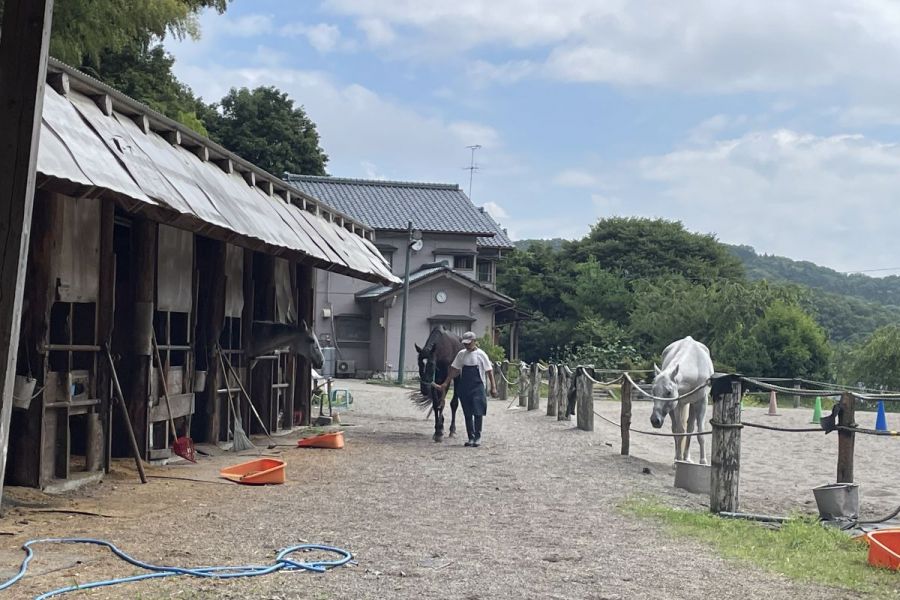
{"x":282,"y":563}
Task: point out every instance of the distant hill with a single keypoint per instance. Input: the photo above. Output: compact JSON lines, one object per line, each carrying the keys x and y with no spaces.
{"x":555,"y":243}
{"x":884,"y":290}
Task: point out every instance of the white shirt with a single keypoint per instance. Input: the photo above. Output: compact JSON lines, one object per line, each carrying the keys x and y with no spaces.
{"x":475,"y":358}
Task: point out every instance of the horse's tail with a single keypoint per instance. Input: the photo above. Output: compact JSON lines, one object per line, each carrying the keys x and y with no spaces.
{"x":420,"y":400}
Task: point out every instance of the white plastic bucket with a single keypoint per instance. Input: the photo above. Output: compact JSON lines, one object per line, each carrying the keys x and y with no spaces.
{"x":23,"y":391}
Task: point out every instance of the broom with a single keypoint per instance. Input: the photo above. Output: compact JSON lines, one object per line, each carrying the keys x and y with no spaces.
{"x":182,"y":446}
{"x":240,"y":441}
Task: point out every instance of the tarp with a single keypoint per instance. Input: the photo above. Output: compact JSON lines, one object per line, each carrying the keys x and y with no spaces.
{"x":82,"y":145}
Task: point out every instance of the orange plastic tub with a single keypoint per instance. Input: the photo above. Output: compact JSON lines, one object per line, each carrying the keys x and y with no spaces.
{"x":334,"y":440}
{"x":884,"y":548}
{"x":261,"y":471}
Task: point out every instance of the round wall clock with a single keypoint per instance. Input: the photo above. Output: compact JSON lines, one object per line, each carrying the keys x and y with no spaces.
{"x":441,"y":296}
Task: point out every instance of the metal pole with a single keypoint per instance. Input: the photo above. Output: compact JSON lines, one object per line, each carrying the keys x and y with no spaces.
{"x":402,"y":362}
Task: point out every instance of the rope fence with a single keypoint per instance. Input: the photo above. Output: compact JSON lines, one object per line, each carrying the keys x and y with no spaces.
{"x":570,"y":393}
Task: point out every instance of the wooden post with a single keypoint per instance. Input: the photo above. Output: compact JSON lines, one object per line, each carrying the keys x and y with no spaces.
{"x":261,"y":392}
{"x":24,"y":41}
{"x":726,"y":446}
{"x":523,"y":384}
{"x":625,"y":417}
{"x":585,"y":414}
{"x":211,"y":255}
{"x":796,"y":398}
{"x":562,"y":413}
{"x":105,"y":315}
{"x":846,"y":439}
{"x":534,"y":395}
{"x":144,"y":275}
{"x":247,"y":314}
{"x":553,"y":393}
{"x":305,"y":309}
{"x":502,"y":386}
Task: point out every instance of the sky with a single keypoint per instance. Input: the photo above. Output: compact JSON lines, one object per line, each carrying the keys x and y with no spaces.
{"x":772,"y":123}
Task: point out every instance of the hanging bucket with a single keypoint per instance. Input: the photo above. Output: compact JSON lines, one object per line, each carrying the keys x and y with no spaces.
{"x":693,"y":477}
{"x":837,"y":501}
{"x":199,"y":381}
{"x":23,"y":391}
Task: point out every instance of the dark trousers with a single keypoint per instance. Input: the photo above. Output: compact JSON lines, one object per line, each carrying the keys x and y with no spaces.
{"x":473,"y":422}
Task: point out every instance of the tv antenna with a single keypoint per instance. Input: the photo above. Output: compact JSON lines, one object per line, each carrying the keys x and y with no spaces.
{"x":472,"y":166}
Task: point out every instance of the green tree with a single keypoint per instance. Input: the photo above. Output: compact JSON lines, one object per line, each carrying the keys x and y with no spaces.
{"x":87,"y":28}
{"x":794,"y":342}
{"x":264,"y":127}
{"x":877,"y":362}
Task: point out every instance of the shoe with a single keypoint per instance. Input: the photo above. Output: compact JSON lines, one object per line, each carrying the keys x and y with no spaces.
{"x":476,"y":442}
{"x":469,"y":444}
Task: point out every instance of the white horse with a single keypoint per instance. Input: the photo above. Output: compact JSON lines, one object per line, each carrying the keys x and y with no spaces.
{"x":686,"y":366}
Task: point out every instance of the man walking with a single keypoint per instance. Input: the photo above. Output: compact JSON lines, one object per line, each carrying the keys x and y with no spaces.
{"x":474,"y":369}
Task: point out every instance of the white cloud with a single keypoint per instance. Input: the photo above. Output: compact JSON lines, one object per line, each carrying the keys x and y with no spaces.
{"x":482,"y":72}
{"x":576,"y":178}
{"x":377,"y":31}
{"x":496,"y":211}
{"x":469,"y":134}
{"x":324,"y":37}
{"x":243,"y":26}
{"x":370,"y":171}
{"x":827,"y":199}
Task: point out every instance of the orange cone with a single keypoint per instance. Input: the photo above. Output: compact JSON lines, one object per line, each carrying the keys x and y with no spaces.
{"x":773,"y":405}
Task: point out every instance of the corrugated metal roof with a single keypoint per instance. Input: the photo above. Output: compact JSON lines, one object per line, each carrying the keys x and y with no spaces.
{"x":82,"y":145}
{"x":390,"y":205}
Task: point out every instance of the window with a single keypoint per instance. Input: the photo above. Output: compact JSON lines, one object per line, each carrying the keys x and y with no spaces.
{"x":351,"y":328}
{"x":464,"y":263}
{"x":457,"y":327}
{"x":486,"y":272}
{"x":389,"y":257}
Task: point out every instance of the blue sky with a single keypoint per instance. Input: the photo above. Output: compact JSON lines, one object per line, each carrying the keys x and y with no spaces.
{"x":772,"y":123}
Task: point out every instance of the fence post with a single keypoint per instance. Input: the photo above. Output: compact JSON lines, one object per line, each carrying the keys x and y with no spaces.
{"x":502,"y":386}
{"x":561,"y":389}
{"x":625,"y":418}
{"x":796,"y":398}
{"x":566,"y":414}
{"x":523,"y":384}
{"x":726,"y":445}
{"x":585,"y":415}
{"x":535,"y":392}
{"x":552,"y":393}
{"x":846,"y":439}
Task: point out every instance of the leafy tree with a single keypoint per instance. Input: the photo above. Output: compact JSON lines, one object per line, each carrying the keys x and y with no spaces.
{"x":794,"y":342}
{"x":597,"y":292}
{"x":87,"y":28}
{"x":877,"y":362}
{"x":264,"y":127}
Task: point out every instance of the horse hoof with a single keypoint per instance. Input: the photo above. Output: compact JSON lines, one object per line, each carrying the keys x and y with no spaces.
{"x":437,"y":437}
{"x":452,"y":434}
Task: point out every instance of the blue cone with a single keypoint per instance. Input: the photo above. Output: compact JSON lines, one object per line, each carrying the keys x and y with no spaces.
{"x":881,"y":420}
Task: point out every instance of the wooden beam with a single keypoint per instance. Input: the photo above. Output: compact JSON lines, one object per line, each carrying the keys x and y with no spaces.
{"x":268,"y":187}
{"x":143,"y":122}
{"x":225,"y":164}
{"x":105,"y":318}
{"x":173,"y":137}
{"x":24,"y":40}
{"x":105,"y":103}
{"x":250,"y":178}
{"x":284,"y":195}
{"x":846,"y":439}
{"x":725,"y":475}
{"x":59,"y":82}
{"x":143,"y":273}
{"x":625,"y":417}
{"x":306,"y":281}
{"x":202,"y":153}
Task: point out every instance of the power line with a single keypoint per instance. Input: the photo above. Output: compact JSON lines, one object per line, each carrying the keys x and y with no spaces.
{"x":472,"y":166}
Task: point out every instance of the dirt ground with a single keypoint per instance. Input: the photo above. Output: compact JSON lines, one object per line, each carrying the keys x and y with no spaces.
{"x":531,"y":514}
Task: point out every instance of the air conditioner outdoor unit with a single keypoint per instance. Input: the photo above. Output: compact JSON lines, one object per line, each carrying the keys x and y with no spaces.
{"x":345,"y":368}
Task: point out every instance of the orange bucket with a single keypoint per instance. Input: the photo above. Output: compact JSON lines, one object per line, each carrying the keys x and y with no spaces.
{"x":261,"y":471}
{"x":884,"y":548}
{"x":334,"y":440}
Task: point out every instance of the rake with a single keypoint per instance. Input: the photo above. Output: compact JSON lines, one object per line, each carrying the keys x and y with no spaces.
{"x":182,"y":446}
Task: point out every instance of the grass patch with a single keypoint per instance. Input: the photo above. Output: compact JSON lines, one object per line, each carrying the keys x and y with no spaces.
{"x":801,"y":549}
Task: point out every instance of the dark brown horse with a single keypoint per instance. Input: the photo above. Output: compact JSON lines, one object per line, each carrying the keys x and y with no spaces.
{"x":434,"y":359}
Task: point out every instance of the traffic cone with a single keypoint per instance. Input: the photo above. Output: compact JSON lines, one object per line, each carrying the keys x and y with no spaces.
{"x":817,"y":411}
{"x":773,"y":405}
{"x":881,"y":419}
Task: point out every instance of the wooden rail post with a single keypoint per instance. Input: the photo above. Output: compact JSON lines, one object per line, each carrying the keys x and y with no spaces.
{"x":535,"y":392}
{"x":562,"y":384}
{"x":502,"y":386}
{"x":625,"y":417}
{"x":523,"y":384}
{"x":553,"y":391}
{"x":846,"y":439}
{"x":726,"y":445}
{"x":796,"y":398}
{"x":585,"y":414}
{"x":564,"y":412}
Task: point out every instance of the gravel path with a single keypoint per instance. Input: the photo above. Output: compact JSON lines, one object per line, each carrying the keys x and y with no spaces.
{"x":530,"y":514}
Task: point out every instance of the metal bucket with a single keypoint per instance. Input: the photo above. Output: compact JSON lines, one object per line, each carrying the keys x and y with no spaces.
{"x":199,"y":381}
{"x":23,"y":391}
{"x":693,"y":477}
{"x":837,"y":501}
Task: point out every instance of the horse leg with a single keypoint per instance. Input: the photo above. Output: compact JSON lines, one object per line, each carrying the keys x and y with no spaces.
{"x":438,"y":406}
{"x":691,"y":414}
{"x":454,"y":404}
{"x":678,"y":427}
{"x":701,"y":421}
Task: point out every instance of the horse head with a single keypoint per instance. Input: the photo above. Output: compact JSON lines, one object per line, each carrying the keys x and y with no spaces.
{"x":665,"y":385}
{"x":425,"y":359}
{"x":307,"y":344}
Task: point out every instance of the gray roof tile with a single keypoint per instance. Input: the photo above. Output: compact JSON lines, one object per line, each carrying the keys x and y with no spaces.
{"x":389,"y":205}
